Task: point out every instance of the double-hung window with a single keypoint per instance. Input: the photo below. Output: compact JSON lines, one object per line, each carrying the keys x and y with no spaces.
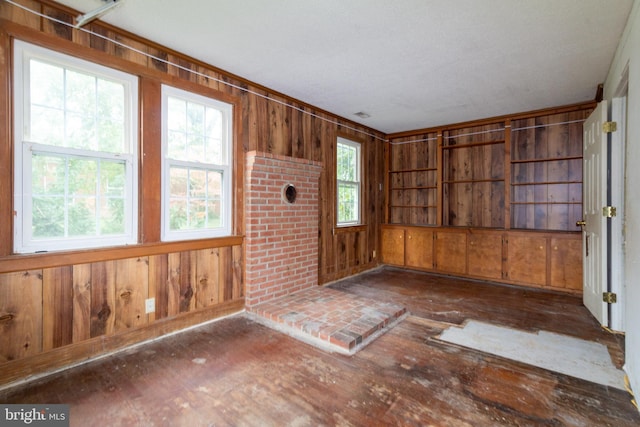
{"x":196,"y":171}
{"x":75,"y":151}
{"x":348,"y":172}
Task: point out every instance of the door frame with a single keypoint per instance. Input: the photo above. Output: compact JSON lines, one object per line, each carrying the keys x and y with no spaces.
{"x":618,"y":114}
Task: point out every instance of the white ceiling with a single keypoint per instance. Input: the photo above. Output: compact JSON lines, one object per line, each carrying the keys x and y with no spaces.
{"x":408,"y":63}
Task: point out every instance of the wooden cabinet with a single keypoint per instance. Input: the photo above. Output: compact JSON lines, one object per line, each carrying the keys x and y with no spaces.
{"x":484,"y":255}
{"x":451,"y":251}
{"x":537,"y":259}
{"x":418,"y":250}
{"x":392,"y":242}
{"x":566,"y":263}
{"x":527,"y":259}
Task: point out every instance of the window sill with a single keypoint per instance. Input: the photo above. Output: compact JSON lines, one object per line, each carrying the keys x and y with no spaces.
{"x":349,"y":228}
{"x":23,"y":262}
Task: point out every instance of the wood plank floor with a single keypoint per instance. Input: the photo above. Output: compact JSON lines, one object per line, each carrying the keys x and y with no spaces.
{"x":237,"y":372}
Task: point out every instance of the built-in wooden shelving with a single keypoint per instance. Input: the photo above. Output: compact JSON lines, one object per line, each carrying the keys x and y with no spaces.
{"x":521,"y":172}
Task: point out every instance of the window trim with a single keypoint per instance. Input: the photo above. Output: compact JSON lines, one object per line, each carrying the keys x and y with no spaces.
{"x":358,"y":145}
{"x":227,"y":109}
{"x":23,"y":242}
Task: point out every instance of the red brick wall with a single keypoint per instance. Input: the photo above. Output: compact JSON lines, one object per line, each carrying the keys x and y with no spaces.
{"x":281,"y":238}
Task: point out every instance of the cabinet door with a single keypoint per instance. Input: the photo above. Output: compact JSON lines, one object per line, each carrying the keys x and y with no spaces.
{"x":393,"y":246}
{"x":451,"y":251}
{"x":566,"y":263}
{"x":527,"y":260}
{"x":419,"y":248}
{"x":485,"y":255}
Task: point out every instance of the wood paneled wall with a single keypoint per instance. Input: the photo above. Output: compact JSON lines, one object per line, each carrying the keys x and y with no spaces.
{"x":265,"y":123}
{"x":66,"y":313}
{"x":64,"y":307}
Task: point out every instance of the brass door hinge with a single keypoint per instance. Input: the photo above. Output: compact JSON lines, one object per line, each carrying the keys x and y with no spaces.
{"x":609,"y":211}
{"x":609,"y":297}
{"x":608,"y":127}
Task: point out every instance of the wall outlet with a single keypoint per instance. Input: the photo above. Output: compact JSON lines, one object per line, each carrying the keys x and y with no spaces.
{"x":150,"y":305}
{"x":374,"y":253}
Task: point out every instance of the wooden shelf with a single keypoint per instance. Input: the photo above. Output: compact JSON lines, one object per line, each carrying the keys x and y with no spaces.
{"x":546,"y":159}
{"x":483,"y":175}
{"x":546,"y":203}
{"x":414,"y":206}
{"x":517,"y":184}
{"x":473,"y":181}
{"x":414,"y":170}
{"x":430,"y":187}
{"x":471,"y":144}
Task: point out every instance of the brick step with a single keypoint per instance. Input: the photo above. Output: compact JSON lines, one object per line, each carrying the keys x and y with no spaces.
{"x":328,"y":318}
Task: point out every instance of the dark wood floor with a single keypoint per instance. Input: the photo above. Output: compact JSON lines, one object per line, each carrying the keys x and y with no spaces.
{"x":236,"y":372}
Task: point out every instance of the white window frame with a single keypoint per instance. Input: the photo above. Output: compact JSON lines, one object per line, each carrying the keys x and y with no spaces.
{"x":23,"y":235}
{"x":225,"y":169}
{"x":358,"y":182}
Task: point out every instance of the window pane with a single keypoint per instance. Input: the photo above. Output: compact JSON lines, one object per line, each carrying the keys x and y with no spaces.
{"x":177,"y":116}
{"x":194,"y":198}
{"x":48,"y":217}
{"x":178,"y":182}
{"x":177,"y":145}
{"x":80,"y":92}
{"x":347,"y":163}
{"x":197,"y":213}
{"x":66,"y":196}
{"x":46,"y":85}
{"x":214,"y":218}
{"x":48,"y":177}
{"x":81,"y":131}
{"x":112,"y":216}
{"x":82,"y":177}
{"x":177,"y":214}
{"x":82,"y":217}
{"x":195,"y":119}
{"x":47,"y":126}
{"x":112,"y":178}
{"x":196,"y":148}
{"x":347,"y":202}
{"x":198,"y":184}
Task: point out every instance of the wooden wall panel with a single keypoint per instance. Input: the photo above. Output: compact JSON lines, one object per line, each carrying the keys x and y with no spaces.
{"x":208,"y":289}
{"x":131,"y":284}
{"x":81,"y":302}
{"x":262,"y":124}
{"x":21,"y":16}
{"x":20,"y":315}
{"x":266,"y":121}
{"x":237,"y":272}
{"x":103,"y":298}
{"x":57,"y":307}
{"x":159,"y":284}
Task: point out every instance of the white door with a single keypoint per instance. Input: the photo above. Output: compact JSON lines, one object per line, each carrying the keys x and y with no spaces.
{"x":594,"y":229}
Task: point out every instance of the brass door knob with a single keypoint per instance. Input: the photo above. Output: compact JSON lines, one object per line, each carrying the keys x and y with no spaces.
{"x":581,"y":223}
